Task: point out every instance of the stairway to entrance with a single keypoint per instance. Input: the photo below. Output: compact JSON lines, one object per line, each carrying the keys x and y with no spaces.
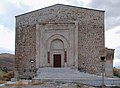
{"x":73,"y":75}
{"x":62,"y":73}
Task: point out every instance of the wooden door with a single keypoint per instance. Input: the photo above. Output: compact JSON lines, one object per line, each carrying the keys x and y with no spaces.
{"x":57,"y":60}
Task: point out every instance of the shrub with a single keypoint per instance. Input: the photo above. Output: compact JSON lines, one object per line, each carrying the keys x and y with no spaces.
{"x":116,"y":72}
{"x":115,"y":87}
{"x":79,"y":85}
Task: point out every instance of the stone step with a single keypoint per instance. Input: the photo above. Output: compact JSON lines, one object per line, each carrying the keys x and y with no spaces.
{"x":62,"y":72}
{"x":72,"y":75}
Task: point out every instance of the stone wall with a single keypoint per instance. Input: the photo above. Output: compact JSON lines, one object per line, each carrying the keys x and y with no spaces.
{"x":90,"y":33}
{"x":91,"y":41}
{"x":109,"y":62}
{"x":25,"y":47}
{"x":57,"y":13}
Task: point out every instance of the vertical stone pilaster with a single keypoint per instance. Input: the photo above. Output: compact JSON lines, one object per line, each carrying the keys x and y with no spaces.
{"x":76,"y":44}
{"x":37,"y":46}
{"x":42,"y":50}
{"x":40,"y":47}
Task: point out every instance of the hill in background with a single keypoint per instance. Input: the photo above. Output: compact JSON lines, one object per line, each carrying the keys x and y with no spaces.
{"x":7,"y":60}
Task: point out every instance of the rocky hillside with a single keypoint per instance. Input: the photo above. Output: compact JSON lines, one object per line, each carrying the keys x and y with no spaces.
{"x":7,"y":60}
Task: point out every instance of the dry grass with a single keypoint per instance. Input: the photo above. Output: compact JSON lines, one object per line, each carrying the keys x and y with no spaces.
{"x":19,"y":84}
{"x":2,"y":72}
{"x":6,"y":76}
{"x":2,"y":82}
{"x":36,"y":83}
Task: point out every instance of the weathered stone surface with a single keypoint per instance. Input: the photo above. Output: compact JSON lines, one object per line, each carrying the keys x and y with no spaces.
{"x":78,"y":31}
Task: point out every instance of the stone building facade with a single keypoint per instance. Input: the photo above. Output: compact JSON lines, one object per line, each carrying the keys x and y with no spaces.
{"x":62,"y":36}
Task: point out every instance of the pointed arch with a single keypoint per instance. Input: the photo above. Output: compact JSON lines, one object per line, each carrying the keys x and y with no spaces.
{"x":60,"y":37}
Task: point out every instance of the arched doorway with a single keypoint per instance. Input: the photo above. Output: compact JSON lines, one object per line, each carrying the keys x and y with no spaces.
{"x":57,"y":47}
{"x":57,"y":52}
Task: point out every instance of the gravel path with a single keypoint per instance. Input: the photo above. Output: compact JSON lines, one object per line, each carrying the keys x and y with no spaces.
{"x":52,"y":85}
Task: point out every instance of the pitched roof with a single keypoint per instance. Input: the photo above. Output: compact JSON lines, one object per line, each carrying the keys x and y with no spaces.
{"x":60,"y":5}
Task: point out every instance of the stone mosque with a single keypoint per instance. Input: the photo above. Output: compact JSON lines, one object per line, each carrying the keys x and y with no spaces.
{"x":61,"y":36}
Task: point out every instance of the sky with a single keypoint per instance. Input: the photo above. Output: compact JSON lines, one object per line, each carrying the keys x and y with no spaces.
{"x":11,"y":8}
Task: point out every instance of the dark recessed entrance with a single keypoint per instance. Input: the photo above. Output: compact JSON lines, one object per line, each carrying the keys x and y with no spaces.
{"x":57,"y":60}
